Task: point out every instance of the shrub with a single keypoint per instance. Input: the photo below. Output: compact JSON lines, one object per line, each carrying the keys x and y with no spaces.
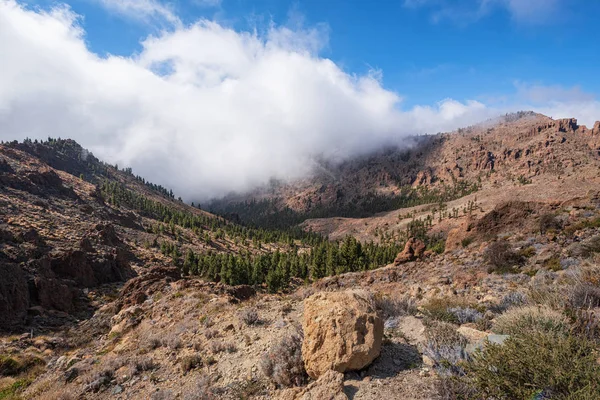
{"x":451,"y":310}
{"x":466,"y":241}
{"x":249,"y":316}
{"x":9,"y":366}
{"x":452,"y":387}
{"x":283,"y":362}
{"x":549,"y":222}
{"x":437,"y":309}
{"x":391,"y":307}
{"x":501,"y":258}
{"x":510,"y":300}
{"x":13,"y":391}
{"x":438,"y":247}
{"x":527,"y":252}
{"x":445,"y":347}
{"x":201,"y":390}
{"x":142,"y":364}
{"x":531,"y":319}
{"x":553,"y":264}
{"x":153,"y":343}
{"x":464,"y":315}
{"x":190,"y":362}
{"x":537,"y":363}
{"x":584,"y":295}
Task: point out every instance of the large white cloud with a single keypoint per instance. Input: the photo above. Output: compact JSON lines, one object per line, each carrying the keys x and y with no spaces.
{"x":203,"y":109}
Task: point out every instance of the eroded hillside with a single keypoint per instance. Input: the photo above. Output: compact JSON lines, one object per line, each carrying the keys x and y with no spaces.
{"x":112,"y":288}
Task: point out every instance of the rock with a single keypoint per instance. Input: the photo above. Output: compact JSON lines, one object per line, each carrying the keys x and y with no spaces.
{"x":71,"y":374}
{"x":342,"y":332}
{"x":472,"y":335}
{"x":126,"y":319}
{"x":241,"y":292}
{"x":492,"y":338}
{"x":138,"y":289}
{"x":412,"y":328}
{"x":413,"y":249}
{"x":330,"y":386}
{"x":14,"y":295}
{"x":456,"y":237}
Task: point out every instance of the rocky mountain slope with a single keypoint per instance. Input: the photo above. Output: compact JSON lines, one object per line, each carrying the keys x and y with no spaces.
{"x":521,"y":147}
{"x":112,"y":288}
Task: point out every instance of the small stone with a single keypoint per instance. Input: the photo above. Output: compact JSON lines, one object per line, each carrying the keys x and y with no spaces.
{"x":117,"y":389}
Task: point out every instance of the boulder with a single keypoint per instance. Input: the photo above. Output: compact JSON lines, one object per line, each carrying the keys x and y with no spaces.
{"x":342,"y":331}
{"x":413,"y":249}
{"x":329,"y":386}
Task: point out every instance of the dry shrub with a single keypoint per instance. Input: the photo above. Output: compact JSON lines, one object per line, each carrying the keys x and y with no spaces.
{"x":218,"y":346}
{"x":201,"y":390}
{"x":452,"y":387}
{"x":142,"y":364}
{"x":510,"y":300}
{"x":283,"y":362}
{"x":249,"y":316}
{"x":191,"y":362}
{"x":100,"y":379}
{"x":211,"y":333}
{"x":584,"y":295}
{"x":446,"y":347}
{"x":549,"y":222}
{"x":501,"y":258}
{"x":456,"y":311}
{"x":396,"y":306}
{"x":11,"y":366}
{"x":552,"y":296}
{"x":531,"y":319}
{"x":60,"y":394}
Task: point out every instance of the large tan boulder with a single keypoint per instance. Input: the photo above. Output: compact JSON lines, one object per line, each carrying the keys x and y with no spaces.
{"x":342,"y":332}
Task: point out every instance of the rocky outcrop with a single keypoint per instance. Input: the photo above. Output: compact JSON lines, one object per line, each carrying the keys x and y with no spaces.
{"x":566,"y":125}
{"x":138,"y":289}
{"x":342,"y":331}
{"x":14,"y":295}
{"x":413,"y":250}
{"x":457,"y":237}
{"x":329,"y":386}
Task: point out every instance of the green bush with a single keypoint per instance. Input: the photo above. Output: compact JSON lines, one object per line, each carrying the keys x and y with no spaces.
{"x":467,"y":241}
{"x":537,"y":363}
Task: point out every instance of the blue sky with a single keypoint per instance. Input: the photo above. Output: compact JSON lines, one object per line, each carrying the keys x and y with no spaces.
{"x":427,"y":50}
{"x":213,"y":96}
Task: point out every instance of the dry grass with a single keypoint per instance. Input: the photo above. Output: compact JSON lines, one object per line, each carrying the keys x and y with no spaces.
{"x":531,"y":318}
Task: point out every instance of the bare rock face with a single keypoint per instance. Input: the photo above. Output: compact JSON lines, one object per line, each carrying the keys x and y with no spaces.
{"x":329,"y":386}
{"x":342,"y":332}
{"x":14,"y":295}
{"x":413,"y":249}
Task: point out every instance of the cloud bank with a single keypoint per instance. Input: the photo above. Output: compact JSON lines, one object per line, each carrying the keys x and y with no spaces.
{"x":202,"y":109}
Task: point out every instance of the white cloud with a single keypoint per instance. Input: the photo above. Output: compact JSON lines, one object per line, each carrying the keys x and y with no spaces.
{"x":203,"y":109}
{"x":150,"y":11}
